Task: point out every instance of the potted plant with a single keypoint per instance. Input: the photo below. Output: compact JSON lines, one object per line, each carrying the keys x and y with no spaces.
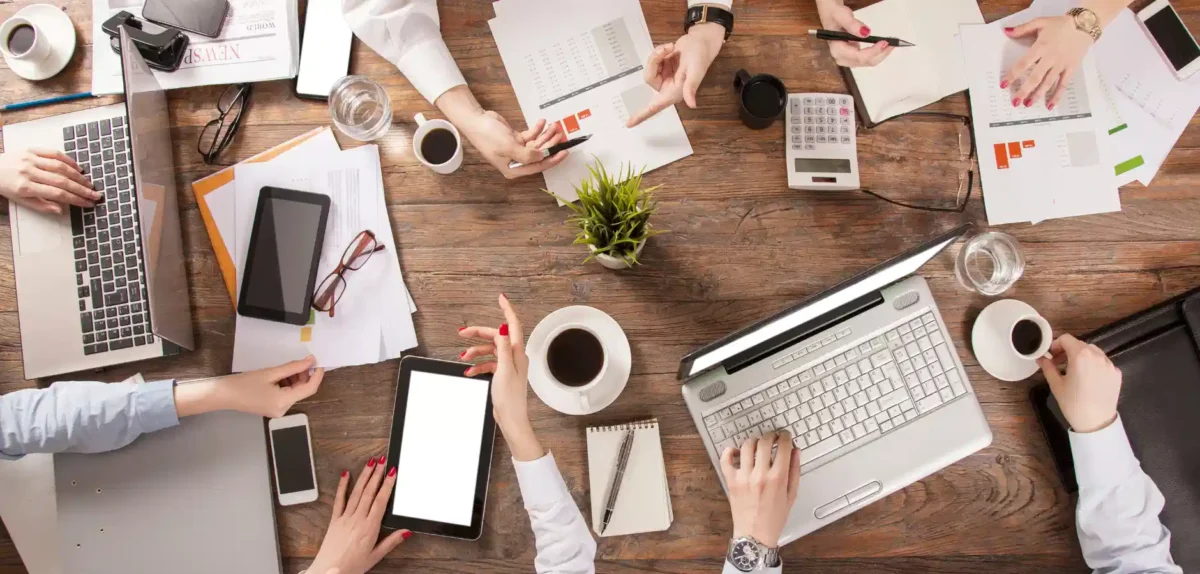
{"x":613,"y":215}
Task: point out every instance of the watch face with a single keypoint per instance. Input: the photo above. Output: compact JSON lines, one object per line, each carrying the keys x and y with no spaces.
{"x":1087,"y":19}
{"x":744,"y":556}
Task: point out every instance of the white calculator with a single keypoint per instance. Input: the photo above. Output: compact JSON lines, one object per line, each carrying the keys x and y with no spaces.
{"x":822,"y":151}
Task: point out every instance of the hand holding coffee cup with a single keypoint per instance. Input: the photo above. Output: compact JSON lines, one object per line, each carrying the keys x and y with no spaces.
{"x":1009,"y":337}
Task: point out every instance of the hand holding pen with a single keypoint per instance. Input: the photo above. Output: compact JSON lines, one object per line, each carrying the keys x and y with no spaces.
{"x":837,"y":17}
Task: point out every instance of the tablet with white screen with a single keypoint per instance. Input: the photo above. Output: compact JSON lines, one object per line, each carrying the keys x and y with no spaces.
{"x":441,"y":446}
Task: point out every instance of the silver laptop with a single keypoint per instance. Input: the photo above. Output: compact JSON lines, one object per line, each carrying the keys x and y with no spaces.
{"x":864,"y":376}
{"x":104,"y":286}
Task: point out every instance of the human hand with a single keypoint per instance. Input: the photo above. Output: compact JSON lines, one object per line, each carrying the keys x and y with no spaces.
{"x":510,"y":380}
{"x":675,"y":70}
{"x":836,"y":16}
{"x":1088,"y":393}
{"x":45,"y":180}
{"x":761,"y":492}
{"x":351,"y":544}
{"x":1049,"y":63}
{"x":266,"y":392}
{"x":499,"y":143}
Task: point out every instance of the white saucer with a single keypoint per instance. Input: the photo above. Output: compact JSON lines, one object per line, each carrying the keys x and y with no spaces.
{"x":59,"y":32}
{"x":616,"y":373}
{"x":993,"y":353}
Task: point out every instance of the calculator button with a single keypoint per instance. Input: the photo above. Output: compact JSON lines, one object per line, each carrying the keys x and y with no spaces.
{"x":820,"y":139}
{"x":797,"y":129}
{"x":808,"y":101}
{"x":831,"y":110}
{"x":810,"y":139}
{"x":845,"y":101}
{"x":845,"y":129}
{"x":797,"y":147}
{"x":810,"y":147}
{"x":820,"y":129}
{"x":844,"y":111}
{"x":808,"y":119}
{"x":831,"y":101}
{"x":846,"y":121}
{"x":845,"y":139}
{"x":820,"y":120}
{"x":808,"y":129}
{"x":808,"y":110}
{"x":795,"y":104}
{"x":796,"y":139}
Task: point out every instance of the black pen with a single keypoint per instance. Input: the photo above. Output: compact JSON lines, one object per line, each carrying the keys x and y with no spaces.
{"x":614,"y":489}
{"x":844,"y":37}
{"x":554,"y":149}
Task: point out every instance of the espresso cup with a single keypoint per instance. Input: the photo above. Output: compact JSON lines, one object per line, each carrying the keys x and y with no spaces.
{"x":761,"y":99}
{"x":1009,"y":337}
{"x":576,"y":360}
{"x":22,"y":33}
{"x":434,"y":149}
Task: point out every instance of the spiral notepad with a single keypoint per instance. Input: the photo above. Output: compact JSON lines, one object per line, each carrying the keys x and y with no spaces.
{"x":644,"y":503}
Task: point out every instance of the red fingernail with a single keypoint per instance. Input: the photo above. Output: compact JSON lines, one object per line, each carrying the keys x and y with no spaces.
{"x":407,"y":534}
{"x":1008,"y":30}
{"x":461,"y":329}
{"x":392,"y":472}
{"x":462,"y":354}
{"x":1003,"y":84}
{"x":1049,"y":106}
{"x":864,"y":31}
{"x":1016,"y":101}
{"x":505,"y":296}
{"x":467,"y":373}
{"x":1028,"y":102}
{"x":504,"y":330}
{"x":345,"y":473}
{"x":371,"y":462}
{"x":382,"y":458}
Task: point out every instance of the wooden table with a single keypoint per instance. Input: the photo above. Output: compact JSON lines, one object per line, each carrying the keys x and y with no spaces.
{"x":742,"y":246}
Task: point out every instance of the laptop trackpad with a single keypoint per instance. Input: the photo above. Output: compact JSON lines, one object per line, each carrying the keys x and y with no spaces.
{"x":40,"y":232}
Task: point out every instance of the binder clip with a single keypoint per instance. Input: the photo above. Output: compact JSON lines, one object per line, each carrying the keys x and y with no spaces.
{"x":163,"y":48}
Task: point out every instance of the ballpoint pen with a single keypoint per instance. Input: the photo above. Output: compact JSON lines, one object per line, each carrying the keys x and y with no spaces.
{"x":844,"y":37}
{"x":615,"y":488}
{"x":554,"y":149}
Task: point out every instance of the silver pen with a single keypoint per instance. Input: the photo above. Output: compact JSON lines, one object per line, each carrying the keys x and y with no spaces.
{"x":554,"y":149}
{"x":615,"y":488}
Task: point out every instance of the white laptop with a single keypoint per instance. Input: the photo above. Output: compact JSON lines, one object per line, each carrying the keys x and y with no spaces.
{"x":104,"y":286}
{"x":864,"y":376}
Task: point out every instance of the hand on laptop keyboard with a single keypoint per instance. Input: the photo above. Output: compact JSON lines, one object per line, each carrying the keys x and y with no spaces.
{"x":762,"y":476}
{"x":45,"y":180}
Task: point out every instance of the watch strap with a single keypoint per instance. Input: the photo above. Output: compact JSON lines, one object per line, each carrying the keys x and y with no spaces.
{"x":709,"y":13}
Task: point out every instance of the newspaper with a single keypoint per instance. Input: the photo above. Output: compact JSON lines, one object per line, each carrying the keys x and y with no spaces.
{"x":260,"y":41}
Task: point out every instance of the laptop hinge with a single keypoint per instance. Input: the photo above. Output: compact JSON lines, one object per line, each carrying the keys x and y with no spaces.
{"x":754,"y":354}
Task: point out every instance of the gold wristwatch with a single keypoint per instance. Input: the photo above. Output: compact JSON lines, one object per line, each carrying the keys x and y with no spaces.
{"x":1086,"y":22}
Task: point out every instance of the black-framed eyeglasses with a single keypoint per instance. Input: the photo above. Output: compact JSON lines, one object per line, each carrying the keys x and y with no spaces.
{"x":331,"y":289}
{"x":960,"y":205}
{"x":218,"y":133}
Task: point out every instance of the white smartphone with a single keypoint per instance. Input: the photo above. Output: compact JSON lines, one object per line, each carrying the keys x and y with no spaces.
{"x":1176,"y":44}
{"x":291,"y":451}
{"x":325,"y":55}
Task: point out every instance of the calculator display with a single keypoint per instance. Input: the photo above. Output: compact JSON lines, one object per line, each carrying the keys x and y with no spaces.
{"x":817,"y":165}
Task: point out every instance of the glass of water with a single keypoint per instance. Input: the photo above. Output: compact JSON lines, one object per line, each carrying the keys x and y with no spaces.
{"x":360,"y":108}
{"x":990,"y":263}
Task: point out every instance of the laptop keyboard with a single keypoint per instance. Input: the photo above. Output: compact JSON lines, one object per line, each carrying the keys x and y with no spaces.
{"x":872,"y":388}
{"x":109,"y":274}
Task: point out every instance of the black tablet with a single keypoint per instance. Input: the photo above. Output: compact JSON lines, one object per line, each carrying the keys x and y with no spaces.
{"x":441,"y":446}
{"x":285,"y":249}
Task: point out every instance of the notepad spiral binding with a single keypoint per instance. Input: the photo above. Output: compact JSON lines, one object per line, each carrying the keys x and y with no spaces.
{"x":646,"y":424}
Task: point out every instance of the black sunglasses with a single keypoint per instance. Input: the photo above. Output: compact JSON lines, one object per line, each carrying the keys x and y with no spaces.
{"x":218,"y":133}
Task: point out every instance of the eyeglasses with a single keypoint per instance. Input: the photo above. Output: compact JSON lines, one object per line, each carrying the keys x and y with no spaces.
{"x":330,"y":291}
{"x":960,"y":205}
{"x":218,"y":133}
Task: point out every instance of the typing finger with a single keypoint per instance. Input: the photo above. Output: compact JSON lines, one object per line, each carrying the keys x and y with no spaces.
{"x":794,"y":475}
{"x":762,"y":454}
{"x":783,"y":453}
{"x":727,"y":468}
{"x":57,"y":195}
{"x":746,"y":460}
{"x":477,"y":351}
{"x":57,"y":155}
{"x":61,"y":182}
{"x":68,"y":170}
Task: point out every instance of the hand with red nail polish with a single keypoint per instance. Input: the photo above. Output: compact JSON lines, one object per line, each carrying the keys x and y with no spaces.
{"x":1045,"y":70}
{"x":510,"y":380}
{"x":835,"y":15}
{"x":45,"y":180}
{"x":350,"y":545}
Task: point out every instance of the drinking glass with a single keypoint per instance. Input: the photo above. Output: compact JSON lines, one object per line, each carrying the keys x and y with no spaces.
{"x":360,"y":108}
{"x":990,"y":263}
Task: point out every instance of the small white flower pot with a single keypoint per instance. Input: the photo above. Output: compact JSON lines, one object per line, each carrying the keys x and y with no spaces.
{"x":614,"y":262}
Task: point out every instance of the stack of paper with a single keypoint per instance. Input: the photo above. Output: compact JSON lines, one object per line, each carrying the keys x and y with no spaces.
{"x":259,"y":41}
{"x":580,"y":63}
{"x":374,"y":317}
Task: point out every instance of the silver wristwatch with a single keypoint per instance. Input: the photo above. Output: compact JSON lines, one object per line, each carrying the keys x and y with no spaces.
{"x":748,"y":555}
{"x":1086,"y":22}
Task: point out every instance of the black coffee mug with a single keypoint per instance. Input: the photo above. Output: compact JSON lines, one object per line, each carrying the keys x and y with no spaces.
{"x":761,"y":99}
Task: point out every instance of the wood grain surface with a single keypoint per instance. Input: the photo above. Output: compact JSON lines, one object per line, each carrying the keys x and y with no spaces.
{"x":742,"y":246}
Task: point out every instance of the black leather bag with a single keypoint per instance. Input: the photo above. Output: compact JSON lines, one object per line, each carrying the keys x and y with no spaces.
{"x":1158,"y":351}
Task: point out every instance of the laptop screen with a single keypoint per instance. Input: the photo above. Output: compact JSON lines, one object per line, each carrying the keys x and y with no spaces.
{"x":872,"y":280}
{"x":158,"y":209}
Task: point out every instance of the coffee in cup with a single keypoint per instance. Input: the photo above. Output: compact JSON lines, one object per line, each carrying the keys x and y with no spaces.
{"x":437,"y":145}
{"x":575,"y":357}
{"x":21,"y":39}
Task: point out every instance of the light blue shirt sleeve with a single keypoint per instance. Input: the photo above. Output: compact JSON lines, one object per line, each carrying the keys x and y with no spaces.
{"x":83,"y":417}
{"x":1117,"y":516}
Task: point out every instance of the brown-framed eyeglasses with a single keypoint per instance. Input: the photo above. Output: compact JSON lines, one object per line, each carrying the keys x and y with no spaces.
{"x":331,"y":289}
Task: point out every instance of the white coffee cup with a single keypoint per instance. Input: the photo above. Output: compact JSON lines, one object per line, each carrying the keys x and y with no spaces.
{"x":587,"y":394}
{"x":424,"y":126}
{"x":1009,"y":337}
{"x":36,"y":52}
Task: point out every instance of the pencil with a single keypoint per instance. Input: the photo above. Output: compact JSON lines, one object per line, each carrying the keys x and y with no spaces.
{"x":45,"y":101}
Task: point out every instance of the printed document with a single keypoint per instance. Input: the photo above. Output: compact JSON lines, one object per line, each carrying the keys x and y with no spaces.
{"x":580,"y":63}
{"x":259,"y":41}
{"x":1036,"y":163}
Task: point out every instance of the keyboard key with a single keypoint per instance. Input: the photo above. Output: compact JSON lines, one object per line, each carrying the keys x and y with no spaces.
{"x":121,"y":344}
{"x":891,"y":399}
{"x":106,"y":127}
{"x":946,"y":394}
{"x":767,"y":411}
{"x":929,"y":403}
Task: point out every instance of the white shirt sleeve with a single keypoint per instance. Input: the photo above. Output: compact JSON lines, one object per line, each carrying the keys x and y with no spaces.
{"x":564,"y":543}
{"x":726,"y":4}
{"x":1117,"y":515}
{"x":407,"y":33}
